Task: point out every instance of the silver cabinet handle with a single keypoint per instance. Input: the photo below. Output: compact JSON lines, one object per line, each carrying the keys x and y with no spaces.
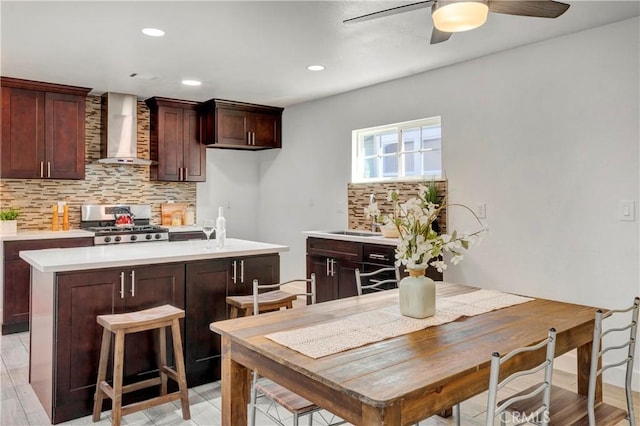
{"x":185,"y":175}
{"x":242,"y":271}
{"x":333,"y":267}
{"x":328,"y":269}
{"x":133,"y":283}
{"x":121,"y":285}
{"x":179,"y":173}
{"x":42,"y":169}
{"x":234,"y":271}
{"x":378,"y":256}
{"x":48,"y":169}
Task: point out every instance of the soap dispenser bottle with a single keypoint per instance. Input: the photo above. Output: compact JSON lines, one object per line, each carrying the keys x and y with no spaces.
{"x":221,"y":231}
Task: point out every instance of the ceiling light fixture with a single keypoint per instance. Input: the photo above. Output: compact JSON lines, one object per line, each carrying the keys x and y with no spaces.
{"x":315,"y":67}
{"x":191,"y":82}
{"x":455,"y":16}
{"x":153,"y":32}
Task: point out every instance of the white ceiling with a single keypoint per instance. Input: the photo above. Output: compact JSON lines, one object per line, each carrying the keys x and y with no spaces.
{"x":253,"y":51}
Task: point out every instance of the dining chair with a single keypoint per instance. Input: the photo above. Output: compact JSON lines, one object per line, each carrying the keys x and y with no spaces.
{"x":539,"y":412}
{"x":570,"y":408}
{"x":377,"y":280}
{"x":265,"y":388}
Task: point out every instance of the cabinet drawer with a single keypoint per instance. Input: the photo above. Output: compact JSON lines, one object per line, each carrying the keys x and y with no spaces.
{"x":379,"y":254}
{"x":344,"y":250}
{"x":13,"y":248}
{"x":184,"y":236}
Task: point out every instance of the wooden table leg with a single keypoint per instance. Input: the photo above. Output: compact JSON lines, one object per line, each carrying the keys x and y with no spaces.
{"x":584,"y":367}
{"x":387,"y":416}
{"x":235,"y":388}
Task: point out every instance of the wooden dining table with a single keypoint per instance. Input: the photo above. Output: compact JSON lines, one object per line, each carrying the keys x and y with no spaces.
{"x":403,"y":379}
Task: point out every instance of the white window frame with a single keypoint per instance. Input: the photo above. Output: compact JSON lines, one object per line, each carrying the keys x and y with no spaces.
{"x":358,"y":158}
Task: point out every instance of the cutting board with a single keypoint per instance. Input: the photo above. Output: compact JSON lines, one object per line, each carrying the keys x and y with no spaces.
{"x":168,"y":209}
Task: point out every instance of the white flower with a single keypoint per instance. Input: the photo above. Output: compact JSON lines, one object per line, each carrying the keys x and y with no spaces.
{"x":439,"y":265}
{"x":456,"y":259}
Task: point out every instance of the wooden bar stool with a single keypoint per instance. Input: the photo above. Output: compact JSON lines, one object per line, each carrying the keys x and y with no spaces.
{"x":133,"y":322}
{"x":242,"y":306}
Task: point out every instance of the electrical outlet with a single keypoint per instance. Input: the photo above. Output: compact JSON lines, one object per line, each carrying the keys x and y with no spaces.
{"x":481,"y":210}
{"x":627,"y":210}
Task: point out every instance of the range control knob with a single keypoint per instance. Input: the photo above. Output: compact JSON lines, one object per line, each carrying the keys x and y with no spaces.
{"x":117,"y":239}
{"x":107,"y":239}
{"x":148,"y":236}
{"x":158,"y":236}
{"x":134,"y":237}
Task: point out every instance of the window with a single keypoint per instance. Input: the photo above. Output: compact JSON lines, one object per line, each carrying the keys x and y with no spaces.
{"x":398,"y":151}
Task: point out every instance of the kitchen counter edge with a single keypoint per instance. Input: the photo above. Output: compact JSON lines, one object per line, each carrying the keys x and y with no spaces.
{"x":375,"y":238}
{"x":123,"y":255}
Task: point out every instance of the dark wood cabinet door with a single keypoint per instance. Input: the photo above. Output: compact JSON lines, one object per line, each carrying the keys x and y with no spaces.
{"x":265,"y":269}
{"x":231,"y":127}
{"x":345,"y":273}
{"x":147,"y":287}
{"x":169,"y":139}
{"x":174,"y":142}
{"x":23,"y":133}
{"x":64,"y":136}
{"x":193,"y":152}
{"x":326,"y":285}
{"x":205,"y":303}
{"x":266,"y":130}
{"x":16,"y":295}
{"x":81,"y":297}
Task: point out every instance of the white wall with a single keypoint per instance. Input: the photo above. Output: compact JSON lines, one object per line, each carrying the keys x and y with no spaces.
{"x":232,"y":182}
{"x":547,"y":135}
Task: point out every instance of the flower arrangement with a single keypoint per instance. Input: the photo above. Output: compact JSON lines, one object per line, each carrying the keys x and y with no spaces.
{"x":419,"y":243}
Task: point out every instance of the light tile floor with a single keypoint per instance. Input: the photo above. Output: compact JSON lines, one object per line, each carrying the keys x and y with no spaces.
{"x":20,"y":407}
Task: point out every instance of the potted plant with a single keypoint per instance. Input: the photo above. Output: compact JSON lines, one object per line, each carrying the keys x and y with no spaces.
{"x":8,"y":222}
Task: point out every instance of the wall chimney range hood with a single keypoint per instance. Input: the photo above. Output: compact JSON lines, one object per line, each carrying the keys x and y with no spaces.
{"x":119,"y":135}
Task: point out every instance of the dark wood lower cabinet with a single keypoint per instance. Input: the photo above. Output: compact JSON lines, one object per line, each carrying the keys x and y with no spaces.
{"x":199,"y":287}
{"x":81,"y":297}
{"x":208,"y":284}
{"x":15,"y":312}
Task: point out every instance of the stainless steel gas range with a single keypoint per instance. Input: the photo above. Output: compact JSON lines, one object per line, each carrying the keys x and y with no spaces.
{"x":121,"y":223}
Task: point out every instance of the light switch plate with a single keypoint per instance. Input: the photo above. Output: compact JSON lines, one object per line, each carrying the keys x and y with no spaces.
{"x":627,"y":210}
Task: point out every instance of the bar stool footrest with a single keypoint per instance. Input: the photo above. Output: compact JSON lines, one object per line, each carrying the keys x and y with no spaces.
{"x":143,"y":405}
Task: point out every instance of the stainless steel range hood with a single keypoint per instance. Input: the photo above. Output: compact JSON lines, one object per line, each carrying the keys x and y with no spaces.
{"x":119,"y":138}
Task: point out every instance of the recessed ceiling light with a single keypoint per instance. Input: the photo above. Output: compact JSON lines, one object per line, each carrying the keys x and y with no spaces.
{"x":191,"y":82}
{"x":315,"y":67}
{"x":153,"y":32}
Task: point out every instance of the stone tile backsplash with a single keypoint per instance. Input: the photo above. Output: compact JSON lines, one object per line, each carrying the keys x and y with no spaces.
{"x":103,"y":183}
{"x":358,"y":198}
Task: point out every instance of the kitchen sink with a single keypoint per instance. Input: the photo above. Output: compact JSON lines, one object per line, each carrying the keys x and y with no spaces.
{"x":355,"y":233}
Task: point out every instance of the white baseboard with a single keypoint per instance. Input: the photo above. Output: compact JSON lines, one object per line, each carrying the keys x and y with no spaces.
{"x":614,"y":376}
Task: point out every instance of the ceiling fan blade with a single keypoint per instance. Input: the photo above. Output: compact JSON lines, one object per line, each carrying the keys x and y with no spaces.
{"x":389,"y":12}
{"x":539,"y":8}
{"x":438,"y":36}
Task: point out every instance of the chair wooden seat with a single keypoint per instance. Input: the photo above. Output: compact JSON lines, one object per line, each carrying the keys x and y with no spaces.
{"x":120,"y":325}
{"x":568,"y":408}
{"x":269,"y":301}
{"x":287,"y":399}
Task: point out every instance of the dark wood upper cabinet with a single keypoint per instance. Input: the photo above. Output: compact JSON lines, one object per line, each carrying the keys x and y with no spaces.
{"x":239,"y":125}
{"x":175,"y":146}
{"x":43,"y":130}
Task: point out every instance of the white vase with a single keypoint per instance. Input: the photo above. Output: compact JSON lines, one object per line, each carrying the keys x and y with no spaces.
{"x":8,"y":227}
{"x":417,"y":295}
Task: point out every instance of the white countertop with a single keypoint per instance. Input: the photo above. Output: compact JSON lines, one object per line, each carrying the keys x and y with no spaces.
{"x":44,"y":235}
{"x":121,"y":255}
{"x":371,"y":237}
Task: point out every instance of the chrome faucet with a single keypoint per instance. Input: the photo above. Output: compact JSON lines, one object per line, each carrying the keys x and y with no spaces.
{"x":374,"y":223}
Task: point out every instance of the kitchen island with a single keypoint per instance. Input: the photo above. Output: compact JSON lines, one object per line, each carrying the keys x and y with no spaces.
{"x":71,"y":287}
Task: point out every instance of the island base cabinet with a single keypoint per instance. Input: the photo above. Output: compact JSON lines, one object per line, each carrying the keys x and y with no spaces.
{"x":208,"y":285}
{"x":81,"y":297}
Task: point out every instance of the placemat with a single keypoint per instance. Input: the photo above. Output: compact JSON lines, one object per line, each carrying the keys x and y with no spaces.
{"x":373,"y":326}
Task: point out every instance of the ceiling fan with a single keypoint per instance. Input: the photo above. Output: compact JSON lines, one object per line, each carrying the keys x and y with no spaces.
{"x":450,"y":16}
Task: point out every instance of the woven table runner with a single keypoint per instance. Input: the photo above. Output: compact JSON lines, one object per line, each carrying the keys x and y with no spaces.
{"x":373,"y":326}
